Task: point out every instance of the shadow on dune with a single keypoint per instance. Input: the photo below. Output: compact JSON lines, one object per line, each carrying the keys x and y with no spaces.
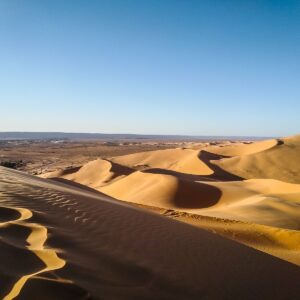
{"x":8,"y":214}
{"x":191,"y":194}
{"x":219,"y":173}
{"x":280,"y":142}
{"x":15,"y":259}
{"x":113,"y":251}
{"x":71,"y":170}
{"x":118,"y":169}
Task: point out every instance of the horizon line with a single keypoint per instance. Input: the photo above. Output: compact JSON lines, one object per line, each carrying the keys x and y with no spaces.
{"x":133,"y":134}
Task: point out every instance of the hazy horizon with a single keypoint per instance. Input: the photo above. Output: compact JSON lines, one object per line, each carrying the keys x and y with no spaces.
{"x":15,"y":133}
{"x":151,"y":67}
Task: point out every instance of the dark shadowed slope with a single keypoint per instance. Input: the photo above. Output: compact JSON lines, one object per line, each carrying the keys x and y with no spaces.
{"x":61,"y":242}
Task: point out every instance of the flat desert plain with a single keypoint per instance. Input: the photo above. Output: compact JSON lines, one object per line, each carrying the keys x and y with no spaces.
{"x":195,"y":220}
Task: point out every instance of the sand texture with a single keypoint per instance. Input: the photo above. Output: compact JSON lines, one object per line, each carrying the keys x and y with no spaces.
{"x":62,"y":242}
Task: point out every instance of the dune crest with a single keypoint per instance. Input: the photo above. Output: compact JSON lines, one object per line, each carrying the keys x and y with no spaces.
{"x":281,"y":162}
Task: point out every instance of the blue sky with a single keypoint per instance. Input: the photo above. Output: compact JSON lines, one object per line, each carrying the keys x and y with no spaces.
{"x":150,"y":66}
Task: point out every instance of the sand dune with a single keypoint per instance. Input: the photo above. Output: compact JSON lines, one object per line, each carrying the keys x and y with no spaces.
{"x":280,"y":162}
{"x":262,"y":201}
{"x":93,"y":174}
{"x":268,"y":202}
{"x":238,"y":149}
{"x":104,"y":249}
{"x":180,"y":160}
{"x":161,"y":190}
{"x":262,"y":213}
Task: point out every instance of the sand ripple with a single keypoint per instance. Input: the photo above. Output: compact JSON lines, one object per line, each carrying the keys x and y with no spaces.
{"x":62,"y":242}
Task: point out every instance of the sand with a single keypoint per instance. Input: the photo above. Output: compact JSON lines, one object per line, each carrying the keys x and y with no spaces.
{"x":206,"y":221}
{"x":177,"y":180}
{"x":280,"y":162}
{"x":95,"y":247}
{"x":178,"y":160}
{"x":238,"y":149}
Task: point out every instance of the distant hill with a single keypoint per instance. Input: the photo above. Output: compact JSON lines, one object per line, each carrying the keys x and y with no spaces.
{"x":15,"y":135}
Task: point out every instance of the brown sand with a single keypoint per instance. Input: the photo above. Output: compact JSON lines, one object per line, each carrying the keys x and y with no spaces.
{"x":63,"y":242}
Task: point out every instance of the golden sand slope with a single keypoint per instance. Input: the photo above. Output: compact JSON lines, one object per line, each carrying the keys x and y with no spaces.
{"x":262,"y":201}
{"x":179,"y":160}
{"x":94,"y":174}
{"x":280,"y":162}
{"x":165,"y":191}
{"x":114,"y":251}
{"x":237,"y":149}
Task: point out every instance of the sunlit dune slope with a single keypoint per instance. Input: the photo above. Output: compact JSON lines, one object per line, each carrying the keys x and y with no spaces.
{"x":280,"y":162}
{"x":239,"y":148}
{"x":179,"y":160}
{"x":93,"y":174}
{"x":164,"y":191}
{"x":262,"y":201}
{"x":110,"y":250}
